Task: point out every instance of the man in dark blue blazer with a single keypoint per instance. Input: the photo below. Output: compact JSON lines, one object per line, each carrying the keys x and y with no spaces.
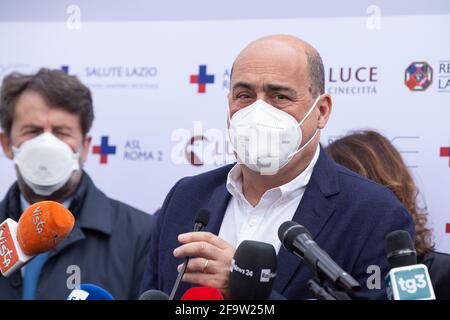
{"x":277,"y":107}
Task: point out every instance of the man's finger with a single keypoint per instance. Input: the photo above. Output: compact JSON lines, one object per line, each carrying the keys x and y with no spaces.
{"x":203,"y":236}
{"x":200,"y":265}
{"x":197,"y":249}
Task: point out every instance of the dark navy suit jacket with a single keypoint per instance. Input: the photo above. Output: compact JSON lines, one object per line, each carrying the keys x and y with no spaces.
{"x":347,"y":215}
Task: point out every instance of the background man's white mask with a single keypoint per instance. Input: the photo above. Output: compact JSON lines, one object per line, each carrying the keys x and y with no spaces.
{"x":46,"y":163}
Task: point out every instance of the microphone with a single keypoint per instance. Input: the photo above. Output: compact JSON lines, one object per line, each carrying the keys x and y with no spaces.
{"x":41,"y":227}
{"x":154,"y":295}
{"x":201,"y":220}
{"x":253,"y":271}
{"x":202,"y":293}
{"x":297,"y":239}
{"x":406,"y":280}
{"x":400,"y":249}
{"x":90,"y":292}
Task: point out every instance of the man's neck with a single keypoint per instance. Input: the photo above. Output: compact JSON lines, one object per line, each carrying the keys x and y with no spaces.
{"x":255,"y":184}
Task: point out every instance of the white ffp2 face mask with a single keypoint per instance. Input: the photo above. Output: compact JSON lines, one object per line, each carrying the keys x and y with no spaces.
{"x":266,"y":138}
{"x":46,"y":163}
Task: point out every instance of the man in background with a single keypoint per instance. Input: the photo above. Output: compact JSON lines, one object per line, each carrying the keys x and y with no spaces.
{"x":45,"y":120}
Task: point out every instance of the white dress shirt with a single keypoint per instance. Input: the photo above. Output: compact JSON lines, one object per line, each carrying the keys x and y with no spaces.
{"x":242,"y":221}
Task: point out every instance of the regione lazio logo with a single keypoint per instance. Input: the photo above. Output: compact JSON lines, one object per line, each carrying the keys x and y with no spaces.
{"x":202,"y":79}
{"x":418,"y":76}
{"x":104,"y":149}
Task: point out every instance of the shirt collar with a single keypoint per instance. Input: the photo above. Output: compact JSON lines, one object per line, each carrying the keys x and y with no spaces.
{"x":25,"y":204}
{"x":287,"y":191}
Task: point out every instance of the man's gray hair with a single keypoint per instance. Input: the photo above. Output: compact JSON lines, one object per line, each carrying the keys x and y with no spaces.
{"x":316,"y":73}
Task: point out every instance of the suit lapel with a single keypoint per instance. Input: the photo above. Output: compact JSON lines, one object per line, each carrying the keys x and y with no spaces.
{"x":313,"y":212}
{"x":217,"y":206}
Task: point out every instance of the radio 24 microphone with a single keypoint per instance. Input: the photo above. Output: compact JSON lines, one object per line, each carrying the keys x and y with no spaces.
{"x":41,"y":227}
{"x":406,"y":280}
{"x":253,"y":271}
{"x":296,"y":239}
{"x":201,"y":220}
{"x":90,"y":292}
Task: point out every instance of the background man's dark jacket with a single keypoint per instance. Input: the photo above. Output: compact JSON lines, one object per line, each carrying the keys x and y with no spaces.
{"x":109,"y":243}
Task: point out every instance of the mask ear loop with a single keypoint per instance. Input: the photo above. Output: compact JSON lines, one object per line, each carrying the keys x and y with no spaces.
{"x":310,"y":110}
{"x":300,"y":123}
{"x":305,"y":145}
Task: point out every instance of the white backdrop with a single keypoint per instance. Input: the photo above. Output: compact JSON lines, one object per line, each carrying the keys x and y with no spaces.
{"x":145,"y":105}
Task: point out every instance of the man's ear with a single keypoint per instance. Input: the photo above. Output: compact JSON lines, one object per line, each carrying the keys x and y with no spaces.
{"x":6,"y":145}
{"x":86,"y":147}
{"x":325,"y":106}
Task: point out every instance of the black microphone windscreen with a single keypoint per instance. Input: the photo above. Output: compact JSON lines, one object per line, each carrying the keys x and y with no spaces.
{"x":288,"y":231}
{"x":253,"y":271}
{"x":154,"y":295}
{"x":400,"y":249}
{"x":202,"y":216}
